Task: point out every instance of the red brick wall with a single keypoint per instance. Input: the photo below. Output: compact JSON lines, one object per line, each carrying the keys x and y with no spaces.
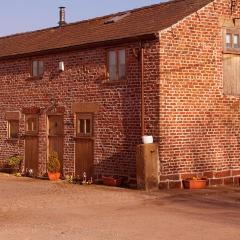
{"x":117,"y":128}
{"x":199,"y":126}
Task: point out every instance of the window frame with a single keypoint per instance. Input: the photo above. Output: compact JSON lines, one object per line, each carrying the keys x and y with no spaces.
{"x":9,"y":121}
{"x":232,"y":49}
{"x":38,"y":75}
{"x":84,"y":116}
{"x":31,"y":132}
{"x":116,"y":50}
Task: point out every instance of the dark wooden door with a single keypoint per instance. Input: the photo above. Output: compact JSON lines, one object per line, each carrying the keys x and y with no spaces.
{"x":31,"y":144}
{"x":56,"y":136}
{"x":84,"y":158}
{"x":31,"y":154}
{"x":84,"y":145}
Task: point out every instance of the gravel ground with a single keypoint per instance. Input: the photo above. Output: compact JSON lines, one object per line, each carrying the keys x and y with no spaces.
{"x":33,"y":209}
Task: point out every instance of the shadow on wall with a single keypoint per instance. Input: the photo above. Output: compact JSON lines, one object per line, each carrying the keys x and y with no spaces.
{"x":121,"y":160}
{"x":209,"y":143}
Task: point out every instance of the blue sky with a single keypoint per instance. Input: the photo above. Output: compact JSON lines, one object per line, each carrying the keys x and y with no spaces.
{"x":27,"y":15}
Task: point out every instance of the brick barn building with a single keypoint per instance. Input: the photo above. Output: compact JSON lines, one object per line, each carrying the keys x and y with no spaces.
{"x":89,"y":90}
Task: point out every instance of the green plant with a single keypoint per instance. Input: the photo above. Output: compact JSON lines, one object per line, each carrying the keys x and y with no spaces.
{"x":53,"y":165}
{"x":69,"y":178}
{"x":14,"y":161}
{"x":18,"y":174}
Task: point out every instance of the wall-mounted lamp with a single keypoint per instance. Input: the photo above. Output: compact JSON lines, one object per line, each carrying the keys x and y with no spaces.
{"x":61,"y":66}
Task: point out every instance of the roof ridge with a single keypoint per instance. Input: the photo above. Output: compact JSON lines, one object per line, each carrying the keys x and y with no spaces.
{"x":91,"y":19}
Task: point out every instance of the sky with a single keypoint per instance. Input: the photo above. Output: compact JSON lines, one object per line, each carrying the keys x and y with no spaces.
{"x":18,"y":16}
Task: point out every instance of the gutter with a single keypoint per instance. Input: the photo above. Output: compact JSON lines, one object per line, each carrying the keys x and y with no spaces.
{"x":142,"y":91}
{"x":144,"y":37}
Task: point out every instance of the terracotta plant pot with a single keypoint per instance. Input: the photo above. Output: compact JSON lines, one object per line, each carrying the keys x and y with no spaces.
{"x":195,"y":183}
{"x":112,"y":181}
{"x":53,"y":176}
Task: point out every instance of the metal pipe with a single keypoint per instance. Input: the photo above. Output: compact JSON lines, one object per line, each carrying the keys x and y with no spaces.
{"x":142,"y":91}
{"x":62,"y":21}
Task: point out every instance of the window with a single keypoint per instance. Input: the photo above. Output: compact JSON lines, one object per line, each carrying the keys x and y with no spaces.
{"x":236,"y":41}
{"x":84,"y":125}
{"x":12,"y":118}
{"x":228,"y":40}
{"x":13,"y":129}
{"x":231,"y":40}
{"x":31,"y":124}
{"x":117,"y":64}
{"x":37,"y":68}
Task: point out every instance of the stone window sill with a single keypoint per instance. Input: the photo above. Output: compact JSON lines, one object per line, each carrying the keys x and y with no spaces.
{"x":236,"y":52}
{"x":34,"y":78}
{"x":114,"y":82}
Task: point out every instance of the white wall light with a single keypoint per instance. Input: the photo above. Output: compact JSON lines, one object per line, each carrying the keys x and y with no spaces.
{"x":61,"y":66}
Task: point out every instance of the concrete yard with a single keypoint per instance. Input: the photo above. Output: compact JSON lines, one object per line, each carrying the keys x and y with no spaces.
{"x":35,"y":209}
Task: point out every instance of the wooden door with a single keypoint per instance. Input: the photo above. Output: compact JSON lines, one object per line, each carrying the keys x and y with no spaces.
{"x":31,"y":144}
{"x":56,"y":136}
{"x":84,"y":145}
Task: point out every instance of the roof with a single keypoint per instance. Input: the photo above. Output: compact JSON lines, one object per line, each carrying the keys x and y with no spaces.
{"x":144,"y":21}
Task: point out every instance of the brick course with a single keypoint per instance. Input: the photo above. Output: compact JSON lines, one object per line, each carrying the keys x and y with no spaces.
{"x":199,"y":126}
{"x":196,"y":126}
{"x":117,"y":128}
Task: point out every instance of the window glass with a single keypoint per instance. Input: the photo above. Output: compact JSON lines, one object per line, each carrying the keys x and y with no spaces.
{"x":35,"y":68}
{"x":88,"y":126}
{"x":32,"y":125}
{"x":81,"y":126}
{"x":236,"y":41}
{"x":40,"y":68}
{"x":228,"y":40}
{"x":13,"y":127}
{"x":122,"y":64}
{"x":112,"y":61}
{"x":84,"y":125}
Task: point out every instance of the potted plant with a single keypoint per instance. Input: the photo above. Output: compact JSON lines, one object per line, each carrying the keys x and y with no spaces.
{"x":195,"y":183}
{"x":114,"y":181}
{"x":15,"y":163}
{"x":53,"y":166}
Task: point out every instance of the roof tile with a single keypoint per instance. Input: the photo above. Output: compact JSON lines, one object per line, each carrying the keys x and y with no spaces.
{"x":136,"y":22}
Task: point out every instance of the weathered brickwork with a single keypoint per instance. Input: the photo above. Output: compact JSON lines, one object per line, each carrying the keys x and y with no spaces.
{"x":196,"y":125}
{"x":199,"y":126}
{"x":117,"y":129}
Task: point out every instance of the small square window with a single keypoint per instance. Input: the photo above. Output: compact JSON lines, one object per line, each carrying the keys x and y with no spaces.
{"x":37,"y":68}
{"x":13,"y":129}
{"x":84,"y":125}
{"x":32,"y":124}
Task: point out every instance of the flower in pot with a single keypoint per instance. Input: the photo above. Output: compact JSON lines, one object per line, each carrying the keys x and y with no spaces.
{"x":15,"y":163}
{"x":195,"y":183}
{"x":53,"y":166}
{"x":114,"y":181}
